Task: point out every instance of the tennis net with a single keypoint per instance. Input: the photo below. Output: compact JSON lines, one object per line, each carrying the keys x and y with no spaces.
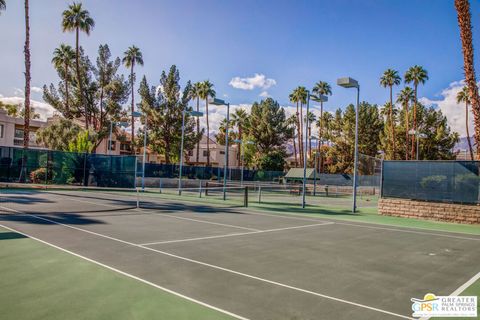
{"x":94,"y":201}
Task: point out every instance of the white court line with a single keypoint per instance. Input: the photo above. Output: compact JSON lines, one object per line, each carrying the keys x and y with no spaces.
{"x":171,"y":216}
{"x":460,"y":289}
{"x":223,"y":269}
{"x":130,"y":275}
{"x":236,"y":234}
{"x":339,"y":222}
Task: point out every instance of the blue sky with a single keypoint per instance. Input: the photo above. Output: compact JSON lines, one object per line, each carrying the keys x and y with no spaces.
{"x":292,"y":42}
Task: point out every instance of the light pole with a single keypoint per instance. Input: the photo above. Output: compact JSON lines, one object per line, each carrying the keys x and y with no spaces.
{"x":348,"y":82}
{"x":194,"y":114}
{"x":304,"y":187}
{"x":418,"y":136}
{"x":137,"y":114}
{"x":220,"y":102}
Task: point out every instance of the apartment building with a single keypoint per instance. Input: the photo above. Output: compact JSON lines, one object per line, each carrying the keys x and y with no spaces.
{"x":217,"y":154}
{"x":12,"y":130}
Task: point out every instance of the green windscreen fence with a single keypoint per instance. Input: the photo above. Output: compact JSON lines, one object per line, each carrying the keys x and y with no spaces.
{"x":440,"y":181}
{"x":66,"y":168}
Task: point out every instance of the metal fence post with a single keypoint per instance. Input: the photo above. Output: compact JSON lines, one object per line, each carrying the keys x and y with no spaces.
{"x":259,"y":194}
{"x":245,"y":203}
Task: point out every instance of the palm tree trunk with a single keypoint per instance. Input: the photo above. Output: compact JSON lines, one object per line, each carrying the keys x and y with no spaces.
{"x":79,"y":77}
{"x":468,"y":133}
{"x":67,"y":106}
{"x":133,"y":107}
{"x":295,"y":151}
{"x":392,"y":126}
{"x":302,"y":150}
{"x":198,"y":132}
{"x":299,"y":136}
{"x":26,"y":127}
{"x":406,"y":130}
{"x":208,"y":133}
{"x":239,"y":155}
{"x":464,"y":22}
{"x":309,"y":140}
{"x":414,"y":125}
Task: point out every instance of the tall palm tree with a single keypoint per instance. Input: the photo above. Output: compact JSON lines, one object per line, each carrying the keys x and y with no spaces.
{"x":3,"y":5}
{"x":464,"y":22}
{"x":240,"y":120}
{"x":26,"y":50}
{"x":75,"y":18}
{"x":195,"y":94}
{"x":131,"y":57}
{"x":389,"y":79}
{"x":321,"y":88}
{"x":416,"y":75}
{"x":404,"y":98}
{"x":206,"y":92}
{"x":292,"y":122}
{"x":62,"y":59}
{"x":299,"y":96}
{"x":464,"y":96}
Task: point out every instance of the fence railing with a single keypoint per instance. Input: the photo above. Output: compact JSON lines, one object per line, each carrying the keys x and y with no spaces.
{"x":441,"y":181}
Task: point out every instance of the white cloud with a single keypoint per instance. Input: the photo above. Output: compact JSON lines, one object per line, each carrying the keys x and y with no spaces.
{"x":43,"y":109}
{"x":17,"y":92}
{"x":37,"y":89}
{"x":257,"y":81}
{"x":264,"y":94}
{"x":454,"y":112}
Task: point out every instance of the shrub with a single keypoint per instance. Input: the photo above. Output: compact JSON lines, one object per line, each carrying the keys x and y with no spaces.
{"x":433,"y":182}
{"x":38,"y":175}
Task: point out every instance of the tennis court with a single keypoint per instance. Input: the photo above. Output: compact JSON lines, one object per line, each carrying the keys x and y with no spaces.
{"x":246,"y":263}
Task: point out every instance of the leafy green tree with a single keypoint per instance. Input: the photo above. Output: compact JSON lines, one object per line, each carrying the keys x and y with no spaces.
{"x":58,"y":134}
{"x":131,"y":57}
{"x":404,"y":98}
{"x":163,"y":111}
{"x":63,"y":57}
{"x":105,"y":93}
{"x":416,"y":75}
{"x":370,"y":124}
{"x":268,"y":128}
{"x":220,"y":136}
{"x":273,"y":161}
{"x":207,"y":91}
{"x":389,"y":79}
{"x":77,"y":19}
{"x":463,"y":96}
{"x":105,"y":74}
{"x":439,"y":143}
{"x":82,"y":144}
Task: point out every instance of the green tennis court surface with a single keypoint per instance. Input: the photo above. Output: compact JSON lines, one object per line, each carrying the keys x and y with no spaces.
{"x":255,"y":263}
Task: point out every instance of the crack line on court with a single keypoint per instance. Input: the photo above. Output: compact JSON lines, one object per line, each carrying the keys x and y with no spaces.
{"x":236,"y":234}
{"x":222,"y":268}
